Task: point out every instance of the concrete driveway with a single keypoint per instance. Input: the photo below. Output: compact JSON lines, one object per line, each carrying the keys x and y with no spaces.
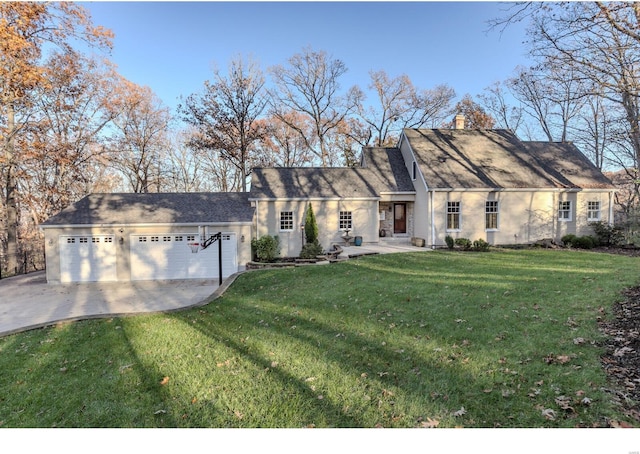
{"x":28,"y":302}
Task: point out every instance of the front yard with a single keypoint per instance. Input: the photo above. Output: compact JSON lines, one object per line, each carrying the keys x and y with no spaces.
{"x":419,"y":340}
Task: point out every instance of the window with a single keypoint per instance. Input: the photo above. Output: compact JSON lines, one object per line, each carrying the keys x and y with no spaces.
{"x":84,"y":239}
{"x":414,"y":171}
{"x":491,"y":215}
{"x":191,"y":237}
{"x":345,"y":220}
{"x":593,"y":211}
{"x":286,"y":220}
{"x":453,"y":215}
{"x":564,"y":210}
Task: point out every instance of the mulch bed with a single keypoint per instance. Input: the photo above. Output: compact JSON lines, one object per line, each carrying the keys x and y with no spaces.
{"x":621,"y":360}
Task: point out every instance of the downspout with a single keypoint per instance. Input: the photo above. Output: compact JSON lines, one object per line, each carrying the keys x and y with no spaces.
{"x":433,"y":222}
{"x":611,"y":220}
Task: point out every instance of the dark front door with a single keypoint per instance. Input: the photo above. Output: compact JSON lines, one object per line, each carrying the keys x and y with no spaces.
{"x":399,"y":218}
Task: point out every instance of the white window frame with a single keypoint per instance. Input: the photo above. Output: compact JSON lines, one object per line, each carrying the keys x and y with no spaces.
{"x":345,"y":220}
{"x":286,"y":221}
{"x":594,"y":207}
{"x":565,"y":211}
{"x":454,"y":210}
{"x":491,"y":208}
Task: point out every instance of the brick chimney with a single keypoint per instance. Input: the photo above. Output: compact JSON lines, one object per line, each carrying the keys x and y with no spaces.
{"x":458,"y":121}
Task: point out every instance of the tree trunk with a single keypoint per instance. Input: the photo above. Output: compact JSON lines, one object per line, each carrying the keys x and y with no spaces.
{"x":11,"y":190}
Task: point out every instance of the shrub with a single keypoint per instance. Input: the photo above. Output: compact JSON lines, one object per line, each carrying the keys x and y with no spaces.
{"x":311,"y":250}
{"x":480,"y":245}
{"x":450,"y":242}
{"x":608,"y":235}
{"x":568,"y":239}
{"x":266,"y":249}
{"x":463,"y":243}
{"x":584,"y":242}
{"x":310,"y":226}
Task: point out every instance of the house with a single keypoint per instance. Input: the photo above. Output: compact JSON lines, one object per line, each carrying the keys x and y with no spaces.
{"x":476,"y":184}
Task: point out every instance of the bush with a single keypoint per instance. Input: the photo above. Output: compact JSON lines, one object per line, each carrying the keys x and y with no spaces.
{"x":608,"y":235}
{"x":310,"y":227}
{"x":463,"y":243}
{"x":584,"y":242}
{"x":266,"y":249}
{"x":568,"y":239}
{"x":480,"y":245}
{"x":311,"y":250}
{"x":450,"y":242}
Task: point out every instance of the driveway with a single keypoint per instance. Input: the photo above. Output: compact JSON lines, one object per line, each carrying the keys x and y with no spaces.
{"x":28,"y":302}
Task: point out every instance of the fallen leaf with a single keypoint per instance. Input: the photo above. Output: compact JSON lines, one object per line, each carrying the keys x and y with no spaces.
{"x":549,"y":414}
{"x":430,"y":423}
{"x":460,"y":412}
{"x":164,"y":381}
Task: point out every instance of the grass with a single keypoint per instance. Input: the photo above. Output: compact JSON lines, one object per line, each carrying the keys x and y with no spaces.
{"x":446,"y":339}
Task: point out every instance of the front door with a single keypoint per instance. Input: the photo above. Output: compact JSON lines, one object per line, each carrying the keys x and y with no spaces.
{"x":400,"y":218}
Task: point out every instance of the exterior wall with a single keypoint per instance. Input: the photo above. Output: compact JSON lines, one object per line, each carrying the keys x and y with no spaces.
{"x":121,"y":237}
{"x":524,"y":216}
{"x":421,"y":208}
{"x":364,"y":220}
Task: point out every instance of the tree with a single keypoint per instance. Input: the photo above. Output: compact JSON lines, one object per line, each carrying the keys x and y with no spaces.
{"x":25,"y":29}
{"x":395,"y":98}
{"x":494,"y":100}
{"x":282,"y":145}
{"x":140,"y":142}
{"x":475,"y":116}
{"x":226,"y":114}
{"x":309,"y":85}
{"x":60,"y":149}
{"x":312,"y":247}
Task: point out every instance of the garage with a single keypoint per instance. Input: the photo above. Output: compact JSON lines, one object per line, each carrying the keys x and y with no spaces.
{"x":168,"y":256}
{"x":144,"y":237}
{"x":87,"y":258}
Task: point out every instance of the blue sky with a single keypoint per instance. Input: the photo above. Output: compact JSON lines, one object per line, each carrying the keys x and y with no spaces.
{"x":173,"y":46}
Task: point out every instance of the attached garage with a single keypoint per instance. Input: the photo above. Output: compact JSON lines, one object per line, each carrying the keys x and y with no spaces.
{"x":87,"y":258}
{"x":168,"y":256}
{"x":134,"y":237}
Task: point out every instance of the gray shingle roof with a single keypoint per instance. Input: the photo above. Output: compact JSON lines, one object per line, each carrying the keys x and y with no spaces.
{"x":315,"y":182}
{"x":156,"y":208}
{"x":390,"y":171}
{"x":383,"y":172}
{"x":463,"y":158}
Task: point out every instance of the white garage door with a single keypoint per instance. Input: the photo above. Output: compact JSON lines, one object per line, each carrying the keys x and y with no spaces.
{"x":86,"y":258}
{"x":167,"y":256}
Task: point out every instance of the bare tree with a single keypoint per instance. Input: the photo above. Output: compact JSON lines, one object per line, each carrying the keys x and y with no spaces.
{"x":140,"y":140}
{"x":225,"y":116}
{"x":309,"y":85}
{"x":282,"y":145}
{"x":494,"y":100}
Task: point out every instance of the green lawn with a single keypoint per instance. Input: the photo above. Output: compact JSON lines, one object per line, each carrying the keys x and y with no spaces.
{"x":447,"y":339}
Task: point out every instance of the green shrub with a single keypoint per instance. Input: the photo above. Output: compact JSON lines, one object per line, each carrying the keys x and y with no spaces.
{"x":568,"y":239}
{"x":310,"y":226}
{"x":266,"y":249}
{"x":480,"y":245}
{"x":450,"y":242}
{"x":608,"y":235}
{"x":584,"y":242}
{"x":311,"y":250}
{"x":463,"y":243}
